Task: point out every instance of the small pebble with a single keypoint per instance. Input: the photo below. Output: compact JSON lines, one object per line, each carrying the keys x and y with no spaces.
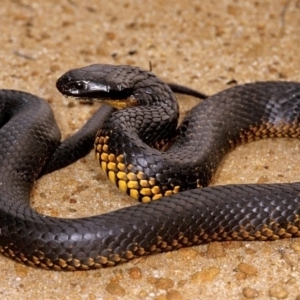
{"x":250,"y":292}
{"x":80,"y":188}
{"x":72,"y":200}
{"x":21,"y":270}
{"x":206,"y":275}
{"x":250,"y":251}
{"x":135,"y":273}
{"x":115,"y":289}
{"x":188,"y":253}
{"x":278,"y":291}
{"x":43,"y":195}
{"x":215,"y":250}
{"x":247,"y":269}
{"x":151,"y":279}
{"x":164,"y":283}
{"x":263,"y":179}
{"x":240,"y":276}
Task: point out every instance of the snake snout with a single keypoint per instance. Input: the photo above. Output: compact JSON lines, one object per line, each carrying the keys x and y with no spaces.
{"x":69,"y":87}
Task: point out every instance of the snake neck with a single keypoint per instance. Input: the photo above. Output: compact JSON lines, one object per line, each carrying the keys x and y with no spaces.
{"x":129,"y":143}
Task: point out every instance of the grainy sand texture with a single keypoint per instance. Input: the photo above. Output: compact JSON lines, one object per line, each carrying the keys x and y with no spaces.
{"x":204,"y":44}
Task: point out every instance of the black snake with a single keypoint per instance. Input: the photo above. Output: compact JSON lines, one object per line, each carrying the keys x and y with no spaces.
{"x":148,"y":156}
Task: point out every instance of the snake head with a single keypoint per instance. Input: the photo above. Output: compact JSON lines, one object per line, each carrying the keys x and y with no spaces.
{"x":98,"y":83}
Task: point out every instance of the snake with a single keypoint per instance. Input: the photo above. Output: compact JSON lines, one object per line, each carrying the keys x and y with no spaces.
{"x":143,"y":151}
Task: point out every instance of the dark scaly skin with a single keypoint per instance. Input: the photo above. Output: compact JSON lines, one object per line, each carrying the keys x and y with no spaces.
{"x":29,"y":138}
{"x":180,"y":89}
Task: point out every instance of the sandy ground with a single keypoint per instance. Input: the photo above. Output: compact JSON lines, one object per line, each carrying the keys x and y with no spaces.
{"x":202,"y":44}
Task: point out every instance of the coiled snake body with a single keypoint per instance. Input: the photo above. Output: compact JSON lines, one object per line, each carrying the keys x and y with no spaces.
{"x":147,"y":156}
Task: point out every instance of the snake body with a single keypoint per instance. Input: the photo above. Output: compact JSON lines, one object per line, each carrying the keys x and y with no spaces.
{"x":145,"y":153}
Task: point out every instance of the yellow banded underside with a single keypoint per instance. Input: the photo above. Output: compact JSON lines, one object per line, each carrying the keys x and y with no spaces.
{"x":135,"y":184}
{"x":269,"y":130}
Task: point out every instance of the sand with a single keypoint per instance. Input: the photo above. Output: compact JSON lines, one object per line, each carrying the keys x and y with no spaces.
{"x":203,"y":44}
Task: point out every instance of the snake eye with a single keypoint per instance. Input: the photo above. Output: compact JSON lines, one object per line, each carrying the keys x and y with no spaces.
{"x":79,"y":85}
